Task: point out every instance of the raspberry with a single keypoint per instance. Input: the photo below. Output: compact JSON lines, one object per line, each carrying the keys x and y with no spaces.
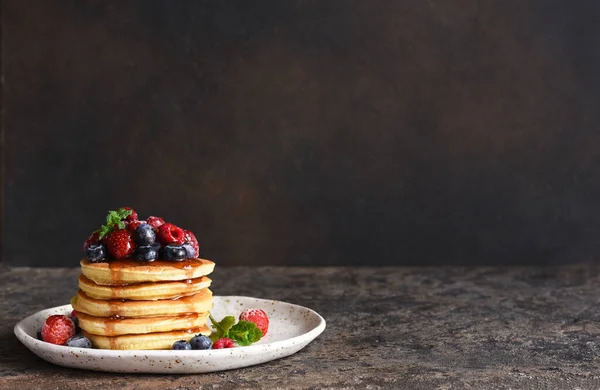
{"x":191,"y":239}
{"x":120,"y":243}
{"x":93,"y":239}
{"x":223,"y":343}
{"x":131,"y":226}
{"x":58,"y":329}
{"x":155,"y":222}
{"x":258,"y":316}
{"x":131,"y":217}
{"x":171,"y":234}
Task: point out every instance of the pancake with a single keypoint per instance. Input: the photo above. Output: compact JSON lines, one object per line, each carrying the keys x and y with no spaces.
{"x":144,"y":290}
{"x":197,"y":303}
{"x":158,"y":340}
{"x":118,"y":272}
{"x":104,"y":326}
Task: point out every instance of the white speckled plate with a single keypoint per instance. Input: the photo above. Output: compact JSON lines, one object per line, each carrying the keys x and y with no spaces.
{"x":291,"y":328}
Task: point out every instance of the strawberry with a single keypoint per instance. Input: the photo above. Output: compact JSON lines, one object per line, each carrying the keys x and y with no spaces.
{"x":155,"y":222}
{"x":170,"y":234}
{"x":131,"y":217}
{"x":93,"y":239}
{"x":119,"y":243}
{"x":131,"y":226}
{"x":258,"y":316}
{"x":58,"y":329}
{"x":190,"y":238}
{"x":223,"y":343}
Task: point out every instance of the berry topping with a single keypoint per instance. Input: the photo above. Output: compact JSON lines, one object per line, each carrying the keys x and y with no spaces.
{"x":133,"y":216}
{"x":133,"y":225}
{"x":258,"y":316}
{"x":200,"y":342}
{"x":58,"y":329}
{"x":144,"y":234}
{"x":93,"y":239}
{"x":114,"y":221}
{"x":171,"y":234}
{"x":189,"y":250}
{"x":79,"y":342}
{"x":95,"y":253}
{"x":223,"y":343}
{"x":182,"y":345}
{"x":120,"y":243}
{"x":155,"y":222}
{"x":174,"y":252}
{"x":146,"y":253}
{"x":190,"y":238}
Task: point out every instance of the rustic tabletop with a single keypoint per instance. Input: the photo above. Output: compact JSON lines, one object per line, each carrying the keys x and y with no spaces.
{"x":420,"y":328}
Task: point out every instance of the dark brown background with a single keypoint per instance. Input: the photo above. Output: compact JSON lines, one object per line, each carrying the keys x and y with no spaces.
{"x":306,"y":132}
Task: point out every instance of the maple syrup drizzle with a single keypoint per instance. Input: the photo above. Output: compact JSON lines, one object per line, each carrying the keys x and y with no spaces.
{"x":116,"y":267}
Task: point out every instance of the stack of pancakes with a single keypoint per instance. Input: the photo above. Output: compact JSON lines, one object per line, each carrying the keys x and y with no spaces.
{"x":124,"y":304}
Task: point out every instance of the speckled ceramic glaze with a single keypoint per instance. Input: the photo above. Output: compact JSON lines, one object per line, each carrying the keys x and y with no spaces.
{"x":291,"y":328}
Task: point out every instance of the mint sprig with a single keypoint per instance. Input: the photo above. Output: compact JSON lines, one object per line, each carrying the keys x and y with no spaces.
{"x":114,"y":221}
{"x":244,"y":332}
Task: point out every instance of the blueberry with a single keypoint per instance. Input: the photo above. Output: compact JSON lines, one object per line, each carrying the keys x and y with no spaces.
{"x":190,"y":251}
{"x":144,"y":234}
{"x":146,"y":253}
{"x":95,"y":253}
{"x":174,"y":252}
{"x":79,"y":342}
{"x":182,"y":345}
{"x":39,"y":335}
{"x":200,"y":342}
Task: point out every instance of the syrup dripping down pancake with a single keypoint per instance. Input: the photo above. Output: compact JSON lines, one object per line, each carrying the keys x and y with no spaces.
{"x":144,"y":290}
{"x":157,"y":340}
{"x":197,"y":303}
{"x":116,"y":326}
{"x":118,"y":272}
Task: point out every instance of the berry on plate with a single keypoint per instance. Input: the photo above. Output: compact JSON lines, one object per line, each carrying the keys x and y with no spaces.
{"x":171,"y":234}
{"x":182,"y":345}
{"x":58,"y":329}
{"x":75,"y":321}
{"x":200,"y":342}
{"x":258,"y":316}
{"x":223,"y":343}
{"x":120,"y":243}
{"x":79,"y":342}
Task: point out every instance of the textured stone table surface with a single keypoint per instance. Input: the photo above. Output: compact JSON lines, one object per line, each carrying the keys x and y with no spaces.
{"x":420,"y":328}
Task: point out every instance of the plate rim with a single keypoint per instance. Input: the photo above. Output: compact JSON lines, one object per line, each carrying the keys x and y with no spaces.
{"x":20,"y":332}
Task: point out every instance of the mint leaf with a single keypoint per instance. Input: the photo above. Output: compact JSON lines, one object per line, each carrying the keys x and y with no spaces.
{"x":114,"y":221}
{"x":222,"y":327}
{"x":245,"y":333}
{"x":123,"y":213}
{"x":104,"y":230}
